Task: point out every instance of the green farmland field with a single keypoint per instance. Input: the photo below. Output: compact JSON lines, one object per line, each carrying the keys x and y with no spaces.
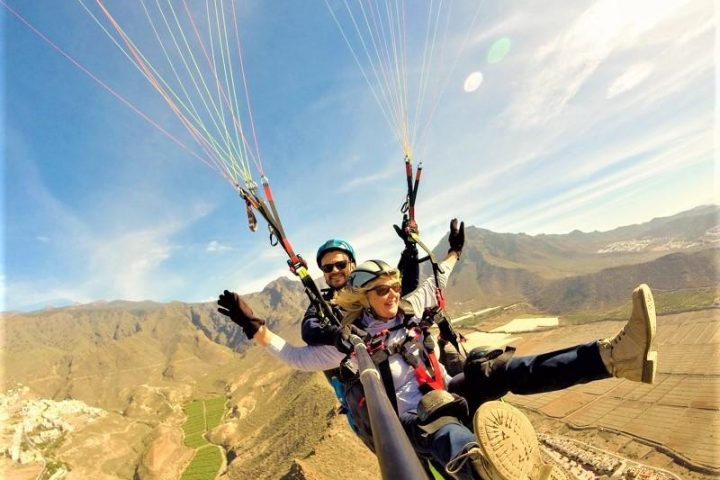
{"x":205,"y":464}
{"x":214,"y":411}
{"x":203,"y":416}
{"x":194,"y":427}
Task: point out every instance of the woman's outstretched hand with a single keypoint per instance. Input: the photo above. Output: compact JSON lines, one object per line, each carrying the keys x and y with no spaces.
{"x":457,"y":236}
{"x":231,"y":305}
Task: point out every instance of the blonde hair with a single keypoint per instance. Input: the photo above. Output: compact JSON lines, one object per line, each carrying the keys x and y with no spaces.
{"x":354,"y":300}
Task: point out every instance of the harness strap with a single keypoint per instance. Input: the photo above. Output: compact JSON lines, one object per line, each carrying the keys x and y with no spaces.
{"x":380,"y":354}
{"x":426,"y":382}
{"x":447,"y":332}
{"x":386,"y":376}
{"x":380,"y":359}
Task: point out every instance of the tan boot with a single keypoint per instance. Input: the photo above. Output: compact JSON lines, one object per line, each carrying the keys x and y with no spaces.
{"x":632,"y":353}
{"x":509,"y":449}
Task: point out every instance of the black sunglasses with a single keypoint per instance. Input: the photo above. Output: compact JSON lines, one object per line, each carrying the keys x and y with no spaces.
{"x":382,"y":290}
{"x":329,"y":267}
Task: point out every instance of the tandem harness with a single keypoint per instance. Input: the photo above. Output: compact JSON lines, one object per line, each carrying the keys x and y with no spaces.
{"x":417,"y":348}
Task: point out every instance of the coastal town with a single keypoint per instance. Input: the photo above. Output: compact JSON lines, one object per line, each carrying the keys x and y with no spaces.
{"x":33,"y":428}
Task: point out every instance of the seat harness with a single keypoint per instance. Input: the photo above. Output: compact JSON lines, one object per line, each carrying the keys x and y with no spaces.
{"x":421,"y":358}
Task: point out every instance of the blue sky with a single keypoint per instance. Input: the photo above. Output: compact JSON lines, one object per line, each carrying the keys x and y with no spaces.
{"x":600,"y":114}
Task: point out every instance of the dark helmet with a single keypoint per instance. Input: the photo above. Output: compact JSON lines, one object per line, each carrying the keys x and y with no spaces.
{"x":368,"y":271}
{"x":335,"y":244}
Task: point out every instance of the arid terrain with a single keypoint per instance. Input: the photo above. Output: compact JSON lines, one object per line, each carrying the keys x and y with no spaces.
{"x":269,"y":432}
{"x":673,"y":424}
{"x":102,"y":391}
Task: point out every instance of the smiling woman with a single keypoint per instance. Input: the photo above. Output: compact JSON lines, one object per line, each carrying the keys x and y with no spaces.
{"x":375,"y":285}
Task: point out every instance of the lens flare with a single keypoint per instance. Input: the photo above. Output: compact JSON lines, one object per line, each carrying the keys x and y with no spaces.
{"x":473,"y":81}
{"x":499,"y":49}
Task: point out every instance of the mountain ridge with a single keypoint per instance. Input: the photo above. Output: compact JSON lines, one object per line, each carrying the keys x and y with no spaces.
{"x":531,"y":256}
{"x":142,"y":361}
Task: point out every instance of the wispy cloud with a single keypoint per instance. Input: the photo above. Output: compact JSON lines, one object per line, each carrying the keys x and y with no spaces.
{"x":24,"y":295}
{"x":682,"y":153}
{"x":630,"y":79}
{"x":130,"y":262}
{"x":257,"y":283}
{"x":3,"y":292}
{"x":214,"y":246}
{"x":100,"y":262}
{"x":373,"y":178}
{"x":567,"y":62}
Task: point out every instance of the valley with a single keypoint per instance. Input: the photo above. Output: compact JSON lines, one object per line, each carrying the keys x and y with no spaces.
{"x":105,"y":391}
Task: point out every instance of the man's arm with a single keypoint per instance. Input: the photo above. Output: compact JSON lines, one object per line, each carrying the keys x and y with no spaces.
{"x":307,"y":358}
{"x":409,"y":269}
{"x":424,"y":296}
{"x":315,"y":331}
{"x":408,"y":264}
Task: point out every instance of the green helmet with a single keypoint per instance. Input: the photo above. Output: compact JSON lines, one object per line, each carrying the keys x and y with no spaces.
{"x":368,"y":271}
{"x":335,"y":244}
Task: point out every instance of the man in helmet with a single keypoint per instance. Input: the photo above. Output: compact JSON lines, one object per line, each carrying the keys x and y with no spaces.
{"x":336,"y":259}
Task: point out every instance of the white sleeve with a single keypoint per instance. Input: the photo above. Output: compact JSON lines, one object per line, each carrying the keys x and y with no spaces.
{"x":308,"y":358}
{"x":424,"y":296}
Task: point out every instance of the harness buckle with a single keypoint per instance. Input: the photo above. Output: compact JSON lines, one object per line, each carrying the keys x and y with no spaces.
{"x":297,"y":264}
{"x":377,"y":343}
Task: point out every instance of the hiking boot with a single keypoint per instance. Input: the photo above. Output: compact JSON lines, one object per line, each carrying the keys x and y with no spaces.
{"x":508,"y":446}
{"x":632,"y":353}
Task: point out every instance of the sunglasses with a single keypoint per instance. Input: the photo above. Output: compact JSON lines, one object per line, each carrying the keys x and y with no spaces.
{"x":382,"y":290}
{"x":329,"y":267}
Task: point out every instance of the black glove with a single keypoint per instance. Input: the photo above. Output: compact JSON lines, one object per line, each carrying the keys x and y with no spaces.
{"x":404,"y":235}
{"x":404,"y":232}
{"x":240,"y":313}
{"x":457,"y":236}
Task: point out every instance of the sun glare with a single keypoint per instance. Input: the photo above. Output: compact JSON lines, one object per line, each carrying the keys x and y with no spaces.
{"x":473,"y":81}
{"x":499,"y":49}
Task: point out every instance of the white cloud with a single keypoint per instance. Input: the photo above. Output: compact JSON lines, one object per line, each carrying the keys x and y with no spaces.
{"x":567,"y":62}
{"x":26,"y":294}
{"x":630,"y":79}
{"x":125,"y":266}
{"x":358,"y":182}
{"x":215,"y":246}
{"x":694,"y":30}
{"x":258,"y":282}
{"x":677,"y":155}
{"x":42,"y":238}
{"x":3,"y":292}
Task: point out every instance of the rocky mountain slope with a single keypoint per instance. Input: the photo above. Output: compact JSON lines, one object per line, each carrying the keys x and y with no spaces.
{"x":564,"y":273}
{"x":139,"y":362}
